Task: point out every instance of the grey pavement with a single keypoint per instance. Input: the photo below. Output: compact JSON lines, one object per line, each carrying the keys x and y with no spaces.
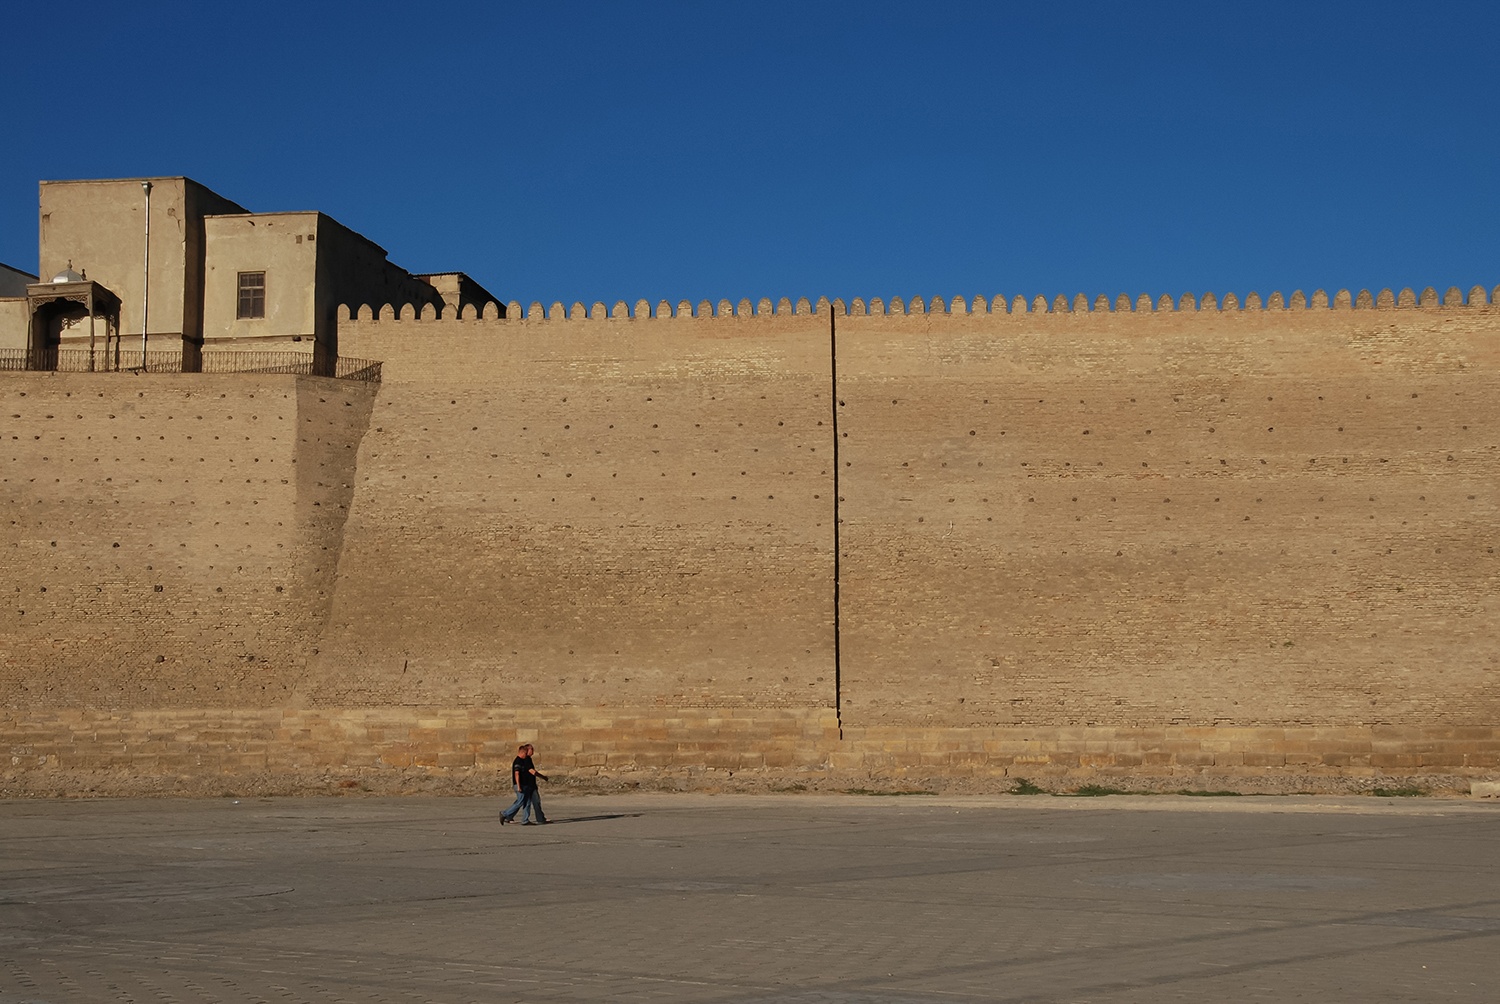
{"x":793,"y":899}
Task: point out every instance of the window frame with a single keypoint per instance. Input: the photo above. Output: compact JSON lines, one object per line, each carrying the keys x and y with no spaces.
{"x":250,"y":301}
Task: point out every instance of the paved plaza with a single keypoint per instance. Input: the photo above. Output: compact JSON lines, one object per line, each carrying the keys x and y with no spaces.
{"x":750,"y":900}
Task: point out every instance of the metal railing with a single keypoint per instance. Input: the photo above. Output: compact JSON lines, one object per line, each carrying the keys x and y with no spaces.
{"x":98,"y":361}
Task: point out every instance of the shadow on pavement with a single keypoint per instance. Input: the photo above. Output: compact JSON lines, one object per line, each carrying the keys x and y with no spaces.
{"x":584,"y":819}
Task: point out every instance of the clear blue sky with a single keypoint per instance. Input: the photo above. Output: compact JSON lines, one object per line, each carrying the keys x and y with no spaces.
{"x":702,"y":150}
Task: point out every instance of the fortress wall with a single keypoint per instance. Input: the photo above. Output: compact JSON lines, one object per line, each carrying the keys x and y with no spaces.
{"x":605,"y":513}
{"x":170,"y":540}
{"x":1240,"y":544}
{"x":1174,"y":538}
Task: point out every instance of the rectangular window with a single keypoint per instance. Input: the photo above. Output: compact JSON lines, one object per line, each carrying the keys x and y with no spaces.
{"x":252,"y":295}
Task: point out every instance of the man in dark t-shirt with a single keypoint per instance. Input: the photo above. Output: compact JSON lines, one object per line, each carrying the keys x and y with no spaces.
{"x":525,"y":774}
{"x":516,"y":769}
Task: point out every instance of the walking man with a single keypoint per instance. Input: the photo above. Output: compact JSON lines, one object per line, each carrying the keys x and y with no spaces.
{"x":508,"y":814}
{"x":528,"y":800}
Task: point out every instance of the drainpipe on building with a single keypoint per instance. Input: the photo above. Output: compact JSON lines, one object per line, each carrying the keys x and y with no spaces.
{"x":146,"y":276}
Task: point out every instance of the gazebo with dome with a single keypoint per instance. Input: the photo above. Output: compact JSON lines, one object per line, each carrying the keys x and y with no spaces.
{"x":59,"y":305}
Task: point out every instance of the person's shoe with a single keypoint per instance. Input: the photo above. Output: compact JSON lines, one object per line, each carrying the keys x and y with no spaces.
{"x":503,"y":820}
{"x":528,"y":823}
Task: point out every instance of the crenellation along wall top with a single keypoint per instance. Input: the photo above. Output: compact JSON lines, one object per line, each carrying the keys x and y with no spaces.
{"x":1343,"y":299}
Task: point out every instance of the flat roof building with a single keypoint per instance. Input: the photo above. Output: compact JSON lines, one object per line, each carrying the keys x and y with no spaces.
{"x":190,"y":269}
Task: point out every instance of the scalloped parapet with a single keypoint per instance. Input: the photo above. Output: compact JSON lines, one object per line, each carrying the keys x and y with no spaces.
{"x":999,"y":304}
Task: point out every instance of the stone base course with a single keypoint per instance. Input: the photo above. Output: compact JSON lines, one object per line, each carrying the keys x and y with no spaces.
{"x":399,"y":749}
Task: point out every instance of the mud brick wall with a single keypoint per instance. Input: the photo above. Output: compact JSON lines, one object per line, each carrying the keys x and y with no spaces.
{"x":1193,"y":517}
{"x":589,"y":512}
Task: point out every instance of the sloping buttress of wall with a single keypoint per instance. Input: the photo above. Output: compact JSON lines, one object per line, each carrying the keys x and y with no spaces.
{"x":172,"y":538}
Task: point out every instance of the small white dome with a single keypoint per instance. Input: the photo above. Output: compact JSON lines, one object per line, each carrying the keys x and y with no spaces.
{"x":67,"y":275}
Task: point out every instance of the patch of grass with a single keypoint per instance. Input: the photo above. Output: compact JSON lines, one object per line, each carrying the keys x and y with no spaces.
{"x":1092,"y":790}
{"x":1398,"y":792}
{"x":1023,"y":786}
{"x":1208,"y":794}
{"x":873,"y":792}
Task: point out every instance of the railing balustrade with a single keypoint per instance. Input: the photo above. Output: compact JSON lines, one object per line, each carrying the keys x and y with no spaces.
{"x":99,"y":361}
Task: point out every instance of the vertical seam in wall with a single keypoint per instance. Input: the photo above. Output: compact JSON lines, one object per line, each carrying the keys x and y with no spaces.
{"x":833,"y":367}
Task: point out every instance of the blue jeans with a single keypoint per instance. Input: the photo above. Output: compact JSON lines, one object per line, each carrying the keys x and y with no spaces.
{"x":527,"y":801}
{"x":519,"y":804}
